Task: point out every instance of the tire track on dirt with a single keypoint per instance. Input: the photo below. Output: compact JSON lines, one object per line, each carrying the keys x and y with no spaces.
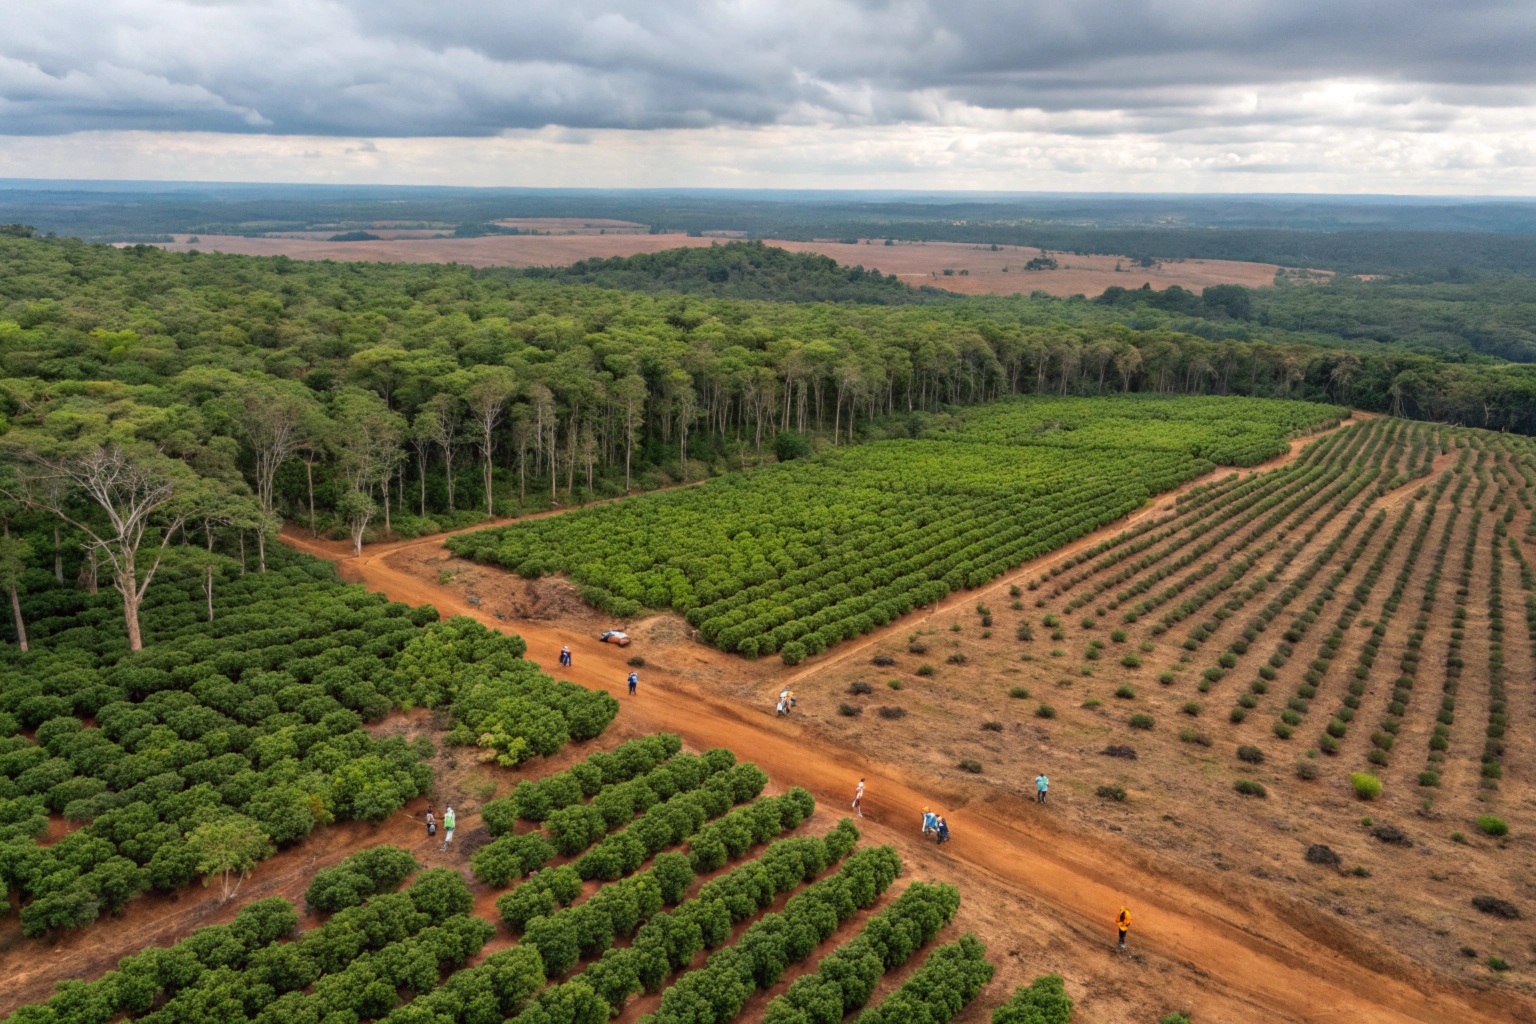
{"x":1261,"y":960}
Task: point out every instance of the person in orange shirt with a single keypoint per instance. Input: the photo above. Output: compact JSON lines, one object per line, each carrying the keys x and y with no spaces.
{"x":1123,"y":920}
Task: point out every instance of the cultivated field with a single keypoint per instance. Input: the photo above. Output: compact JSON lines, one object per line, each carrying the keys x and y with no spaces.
{"x":987,"y":271}
{"x":1238,"y":923}
{"x":1199,"y":677}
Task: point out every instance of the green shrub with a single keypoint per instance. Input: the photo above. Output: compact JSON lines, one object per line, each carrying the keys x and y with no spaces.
{"x":1018,"y":692}
{"x":1115,"y":793}
{"x":1248,"y":787}
{"x":1252,"y":755}
{"x":1194,"y":736}
{"x":1492,"y":826}
{"x":1125,"y":692}
{"x":1045,"y":1001}
{"x":969,"y":766}
{"x":1045,"y":711}
{"x":1141,"y":721}
{"x":1365,"y":785}
{"x":374,"y":870}
{"x":1131,"y":661}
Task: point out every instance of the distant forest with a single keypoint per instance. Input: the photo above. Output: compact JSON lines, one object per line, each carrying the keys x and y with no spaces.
{"x":738,"y":270}
{"x":1425,"y":239}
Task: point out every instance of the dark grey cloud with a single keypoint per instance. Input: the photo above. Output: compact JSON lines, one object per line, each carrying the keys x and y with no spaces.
{"x":472,"y":67}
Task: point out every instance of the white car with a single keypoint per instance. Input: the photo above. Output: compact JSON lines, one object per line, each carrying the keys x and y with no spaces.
{"x":614,"y":636}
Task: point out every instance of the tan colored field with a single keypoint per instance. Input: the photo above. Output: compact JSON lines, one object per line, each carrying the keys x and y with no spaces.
{"x":987,"y":271}
{"x":575,"y":225}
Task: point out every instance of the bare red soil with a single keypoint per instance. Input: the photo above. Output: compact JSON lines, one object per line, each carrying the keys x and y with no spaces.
{"x":1041,"y":885}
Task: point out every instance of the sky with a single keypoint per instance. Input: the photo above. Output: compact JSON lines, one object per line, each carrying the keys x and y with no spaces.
{"x":1411,"y":96}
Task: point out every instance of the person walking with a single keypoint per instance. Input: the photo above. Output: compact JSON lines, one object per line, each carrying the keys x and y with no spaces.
{"x":565,"y":657}
{"x":784,"y":700}
{"x":1042,"y":786}
{"x":782,"y":709}
{"x":930,"y":823}
{"x":431,"y":822}
{"x":1123,"y":921}
{"x":858,"y":798}
{"x":447,"y":826}
{"x":634,"y":681}
{"x":943,"y":830}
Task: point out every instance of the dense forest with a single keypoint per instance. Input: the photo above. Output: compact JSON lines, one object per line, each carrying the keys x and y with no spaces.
{"x":738,"y":270}
{"x":151,"y":393}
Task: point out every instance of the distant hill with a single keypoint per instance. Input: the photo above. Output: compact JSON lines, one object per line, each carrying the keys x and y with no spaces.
{"x":740,"y":270}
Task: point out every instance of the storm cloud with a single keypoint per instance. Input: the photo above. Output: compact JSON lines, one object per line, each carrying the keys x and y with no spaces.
{"x":387,"y":68}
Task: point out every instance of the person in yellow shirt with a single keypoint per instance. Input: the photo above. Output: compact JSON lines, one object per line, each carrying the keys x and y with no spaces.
{"x":1123,"y":920}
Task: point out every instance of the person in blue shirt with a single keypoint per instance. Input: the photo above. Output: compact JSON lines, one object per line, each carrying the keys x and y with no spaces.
{"x":930,"y":822}
{"x":943,"y":831}
{"x":1042,"y":785}
{"x":634,"y":681}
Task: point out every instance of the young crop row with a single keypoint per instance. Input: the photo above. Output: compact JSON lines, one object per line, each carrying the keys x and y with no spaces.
{"x":794,"y":558}
{"x":1338,"y":727}
{"x":1383,"y":738}
{"x":702,"y":788}
{"x":225,"y":739}
{"x":1409,"y":665}
{"x":1439,"y":740}
{"x":669,"y":941}
{"x":1217,"y":429}
{"x":716,"y":992}
{"x":1284,"y":647}
{"x":1346,"y":487}
{"x":564,"y":936}
{"x":255,"y":969}
{"x":1191,"y":511}
{"x":1498,"y":708}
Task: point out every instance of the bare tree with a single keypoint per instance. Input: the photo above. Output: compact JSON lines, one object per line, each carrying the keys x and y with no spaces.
{"x":687,"y":405}
{"x":439,"y":418}
{"x":273,"y":420}
{"x":213,"y":513}
{"x":135,"y":491}
{"x":544,"y":429}
{"x":522,"y":438}
{"x":487,"y":399}
{"x":421,"y":442}
{"x":14,"y":552}
{"x":311,"y":448}
{"x":367,"y":443}
{"x":588,"y":450}
{"x":631,"y":400}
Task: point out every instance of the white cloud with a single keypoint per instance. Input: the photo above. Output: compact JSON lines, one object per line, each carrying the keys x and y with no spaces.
{"x":1179,"y":94}
{"x":1494,"y":153}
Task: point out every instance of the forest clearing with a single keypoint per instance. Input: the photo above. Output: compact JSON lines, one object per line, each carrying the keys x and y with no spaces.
{"x":952,"y":266}
{"x":305,"y":715}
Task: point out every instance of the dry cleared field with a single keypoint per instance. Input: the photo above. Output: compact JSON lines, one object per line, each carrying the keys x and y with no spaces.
{"x":986,"y":271}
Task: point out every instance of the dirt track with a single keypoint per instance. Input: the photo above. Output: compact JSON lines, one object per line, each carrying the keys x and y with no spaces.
{"x":1231,"y":959}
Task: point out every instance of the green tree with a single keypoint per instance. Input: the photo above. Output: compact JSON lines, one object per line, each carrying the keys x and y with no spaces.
{"x":229,"y":848}
{"x":136,"y":492}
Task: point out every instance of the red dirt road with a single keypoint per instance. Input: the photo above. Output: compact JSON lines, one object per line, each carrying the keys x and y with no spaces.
{"x":1250,"y":959}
